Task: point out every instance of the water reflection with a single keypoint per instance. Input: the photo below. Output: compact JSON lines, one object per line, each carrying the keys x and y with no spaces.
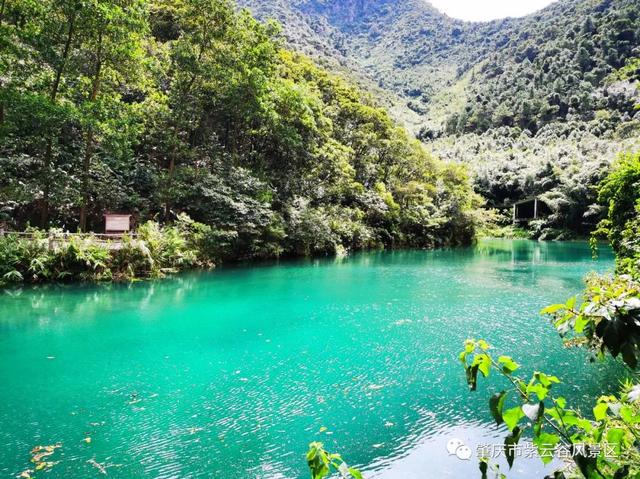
{"x":416,"y":460}
{"x":231,"y":373}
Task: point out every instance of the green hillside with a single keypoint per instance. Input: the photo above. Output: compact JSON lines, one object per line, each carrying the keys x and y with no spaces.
{"x":159,"y":108}
{"x":528,"y":96}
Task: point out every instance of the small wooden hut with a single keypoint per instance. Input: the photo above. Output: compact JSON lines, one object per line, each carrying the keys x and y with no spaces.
{"x":530,"y":209}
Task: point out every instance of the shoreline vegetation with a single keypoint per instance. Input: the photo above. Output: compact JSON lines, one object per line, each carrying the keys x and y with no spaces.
{"x":154,"y":252}
{"x":158,"y":109}
{"x":597,"y":444}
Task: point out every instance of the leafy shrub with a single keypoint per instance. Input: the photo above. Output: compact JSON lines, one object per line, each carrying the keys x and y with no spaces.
{"x":619,"y":193}
{"x":322,"y":463}
{"x":606,"y":321}
{"x":310,"y":231}
{"x":24,"y":260}
{"x":172,"y":247}
{"x":133,"y":260}
{"x":156,"y":251}
{"x":82,"y":258}
{"x":327,"y":230}
{"x":601,"y":448}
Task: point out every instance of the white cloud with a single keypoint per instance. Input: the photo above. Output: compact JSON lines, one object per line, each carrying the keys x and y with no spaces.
{"x":481,"y":10}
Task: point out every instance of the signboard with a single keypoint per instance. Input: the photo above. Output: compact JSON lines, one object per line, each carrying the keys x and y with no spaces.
{"x":117,"y":223}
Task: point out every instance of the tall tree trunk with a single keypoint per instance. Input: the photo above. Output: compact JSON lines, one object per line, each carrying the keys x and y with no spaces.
{"x":172,"y":161}
{"x":86,"y":168}
{"x":48,"y":156}
{"x":44,"y":210}
{"x":89,"y":145}
{"x":167,"y":203}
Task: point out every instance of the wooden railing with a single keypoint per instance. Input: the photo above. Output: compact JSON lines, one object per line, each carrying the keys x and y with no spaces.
{"x":54,"y":238}
{"x":67,"y":234}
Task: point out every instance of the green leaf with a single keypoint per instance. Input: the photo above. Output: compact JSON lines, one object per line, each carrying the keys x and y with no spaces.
{"x":628,"y":415}
{"x":510,"y":443}
{"x":554,"y":308}
{"x":615,"y":438}
{"x":463,"y":357}
{"x":580,"y":323}
{"x":585,"y":425}
{"x":512,"y":416}
{"x":496,"y":405}
{"x":355,"y":473}
{"x":537,"y":389}
{"x":546,"y":444}
{"x":317,"y":461}
{"x":508,"y":364}
{"x":469,"y":346}
{"x":571,"y":302}
{"x":600,"y":411}
{"x":546,"y":380}
{"x":484,"y":364}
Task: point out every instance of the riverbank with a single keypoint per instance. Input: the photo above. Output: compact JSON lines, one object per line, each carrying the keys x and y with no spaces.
{"x":153,"y":252}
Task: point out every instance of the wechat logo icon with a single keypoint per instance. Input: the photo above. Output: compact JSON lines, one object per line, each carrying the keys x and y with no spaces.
{"x":455,"y":447}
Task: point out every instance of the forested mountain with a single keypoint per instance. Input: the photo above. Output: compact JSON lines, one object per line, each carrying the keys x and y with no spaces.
{"x":528,"y":103}
{"x":159,"y":107}
{"x":548,"y":66}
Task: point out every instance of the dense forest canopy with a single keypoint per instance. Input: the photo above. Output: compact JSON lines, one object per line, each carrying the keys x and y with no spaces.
{"x":158,"y":107}
{"x":552,"y":65}
{"x":540,"y":105}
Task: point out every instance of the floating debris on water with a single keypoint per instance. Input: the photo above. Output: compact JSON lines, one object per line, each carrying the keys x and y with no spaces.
{"x":402,"y":321}
{"x":38,"y":454}
{"x":100,"y":467}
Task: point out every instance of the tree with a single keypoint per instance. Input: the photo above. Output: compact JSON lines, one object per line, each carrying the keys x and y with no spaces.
{"x":111,"y":45}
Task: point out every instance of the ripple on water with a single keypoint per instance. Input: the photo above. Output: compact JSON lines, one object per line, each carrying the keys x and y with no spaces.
{"x":232,"y":373}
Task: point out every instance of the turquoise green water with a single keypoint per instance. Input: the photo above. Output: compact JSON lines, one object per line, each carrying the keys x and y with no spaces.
{"x":232,"y":373}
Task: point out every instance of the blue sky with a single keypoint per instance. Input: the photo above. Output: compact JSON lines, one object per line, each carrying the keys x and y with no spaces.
{"x":480,"y":10}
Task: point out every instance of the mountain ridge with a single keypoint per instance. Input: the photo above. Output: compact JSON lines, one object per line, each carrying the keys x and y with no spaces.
{"x":536,"y":105}
{"x":418,"y":53}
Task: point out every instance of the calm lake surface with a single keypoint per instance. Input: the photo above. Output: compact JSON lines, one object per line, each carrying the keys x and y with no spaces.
{"x":232,"y":373}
